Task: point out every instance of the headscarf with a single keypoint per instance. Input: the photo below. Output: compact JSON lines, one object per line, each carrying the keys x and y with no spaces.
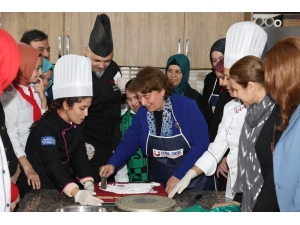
{"x":184,"y":64}
{"x":218,"y":46}
{"x":47,"y":66}
{"x":10,"y":58}
{"x":220,"y":66}
{"x":29,"y":56}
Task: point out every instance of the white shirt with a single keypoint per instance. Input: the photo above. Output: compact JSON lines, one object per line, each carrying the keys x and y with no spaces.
{"x":5,"y":195}
{"x":227,"y":137}
{"x":18,"y":117}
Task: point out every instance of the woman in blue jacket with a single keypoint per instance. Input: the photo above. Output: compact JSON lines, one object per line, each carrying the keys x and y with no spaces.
{"x":169,"y":128}
{"x":282,"y":81}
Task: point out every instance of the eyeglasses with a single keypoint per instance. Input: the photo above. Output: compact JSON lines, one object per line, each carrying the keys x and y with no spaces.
{"x":43,"y":78}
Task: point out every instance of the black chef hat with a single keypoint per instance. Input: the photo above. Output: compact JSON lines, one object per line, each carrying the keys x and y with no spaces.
{"x":101,"y":42}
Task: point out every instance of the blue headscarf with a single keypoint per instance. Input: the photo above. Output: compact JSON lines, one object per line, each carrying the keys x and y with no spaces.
{"x":184,"y":64}
{"x":47,"y":66}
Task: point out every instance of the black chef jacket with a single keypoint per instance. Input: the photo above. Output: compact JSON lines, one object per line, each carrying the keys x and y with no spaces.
{"x":104,"y":114}
{"x":105,"y":109}
{"x":57,"y":152}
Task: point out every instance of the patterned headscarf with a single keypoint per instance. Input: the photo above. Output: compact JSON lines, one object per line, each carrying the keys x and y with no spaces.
{"x":184,"y":64}
{"x":10,"y":58}
{"x":220,"y":66}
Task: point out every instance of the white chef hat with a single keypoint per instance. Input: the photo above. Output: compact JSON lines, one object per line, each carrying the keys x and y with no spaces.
{"x":243,"y":38}
{"x":72,"y":77}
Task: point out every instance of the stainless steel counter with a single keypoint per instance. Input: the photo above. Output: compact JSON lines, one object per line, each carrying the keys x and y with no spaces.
{"x":49,"y":199}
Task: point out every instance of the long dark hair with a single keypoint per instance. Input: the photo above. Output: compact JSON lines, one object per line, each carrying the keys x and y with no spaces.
{"x":58,"y":104}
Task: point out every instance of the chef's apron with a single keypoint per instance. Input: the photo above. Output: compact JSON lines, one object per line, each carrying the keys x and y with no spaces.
{"x":213,"y":98}
{"x":167,"y":154}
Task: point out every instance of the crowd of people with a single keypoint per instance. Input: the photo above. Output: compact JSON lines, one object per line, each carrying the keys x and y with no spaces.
{"x":62,"y":126}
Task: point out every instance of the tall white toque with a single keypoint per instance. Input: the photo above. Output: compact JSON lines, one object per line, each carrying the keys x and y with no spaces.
{"x":72,"y":77}
{"x":243,"y":38}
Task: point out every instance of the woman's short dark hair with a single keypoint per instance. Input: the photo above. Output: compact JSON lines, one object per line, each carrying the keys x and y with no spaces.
{"x":33,"y":35}
{"x":151,"y":79}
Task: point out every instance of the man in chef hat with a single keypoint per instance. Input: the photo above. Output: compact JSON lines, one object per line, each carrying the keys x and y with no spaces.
{"x":108,"y":85}
{"x":242,"y":39}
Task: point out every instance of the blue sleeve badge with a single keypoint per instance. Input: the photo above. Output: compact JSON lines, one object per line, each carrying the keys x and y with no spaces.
{"x":48,"y":140}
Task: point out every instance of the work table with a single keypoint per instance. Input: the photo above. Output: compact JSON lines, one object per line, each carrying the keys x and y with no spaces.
{"x":47,"y":200}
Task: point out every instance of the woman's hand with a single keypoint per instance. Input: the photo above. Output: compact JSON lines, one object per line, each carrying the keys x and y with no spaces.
{"x":14,"y":178}
{"x":226,"y":204}
{"x":32,"y":177}
{"x":171,"y":183}
{"x":107,"y":170}
{"x":222,"y":168}
{"x":39,"y":88}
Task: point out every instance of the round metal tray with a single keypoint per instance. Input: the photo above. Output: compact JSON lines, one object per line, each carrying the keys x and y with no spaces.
{"x":81,"y":208}
{"x":145,"y":203}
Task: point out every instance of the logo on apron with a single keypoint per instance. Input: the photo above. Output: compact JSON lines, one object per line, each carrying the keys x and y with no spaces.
{"x":169,"y":154}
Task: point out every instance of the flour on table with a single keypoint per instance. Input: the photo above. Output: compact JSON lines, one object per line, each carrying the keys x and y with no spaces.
{"x":131,"y":188}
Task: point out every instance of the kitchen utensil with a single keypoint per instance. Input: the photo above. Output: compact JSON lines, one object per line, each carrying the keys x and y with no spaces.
{"x":81,"y":208}
{"x":193,"y":201}
{"x":145,"y":203}
{"x":103,"y":182}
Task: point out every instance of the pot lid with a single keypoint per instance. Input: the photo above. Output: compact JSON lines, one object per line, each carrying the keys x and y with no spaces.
{"x":145,"y":203}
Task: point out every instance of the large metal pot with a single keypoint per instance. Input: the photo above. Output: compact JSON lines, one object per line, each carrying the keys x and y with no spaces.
{"x":81,"y":208}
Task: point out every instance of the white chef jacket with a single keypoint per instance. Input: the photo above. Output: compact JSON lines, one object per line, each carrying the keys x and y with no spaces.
{"x":18,"y":117}
{"x":5,"y":188}
{"x":227,"y":137}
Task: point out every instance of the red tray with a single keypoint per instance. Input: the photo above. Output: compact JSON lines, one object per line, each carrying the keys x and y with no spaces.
{"x":107,"y":196}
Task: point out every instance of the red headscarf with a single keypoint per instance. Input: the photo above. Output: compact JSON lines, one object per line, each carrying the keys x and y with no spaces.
{"x":10,"y":58}
{"x":28,"y":60}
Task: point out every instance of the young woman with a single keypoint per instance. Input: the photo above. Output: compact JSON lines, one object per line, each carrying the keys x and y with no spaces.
{"x":228,"y":131}
{"x":169,"y":128}
{"x":24,"y":105}
{"x":254,"y":186}
{"x":212,"y":89}
{"x":282,"y":81}
{"x":56,"y":144}
{"x":47,"y":73}
{"x":242,"y":39}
